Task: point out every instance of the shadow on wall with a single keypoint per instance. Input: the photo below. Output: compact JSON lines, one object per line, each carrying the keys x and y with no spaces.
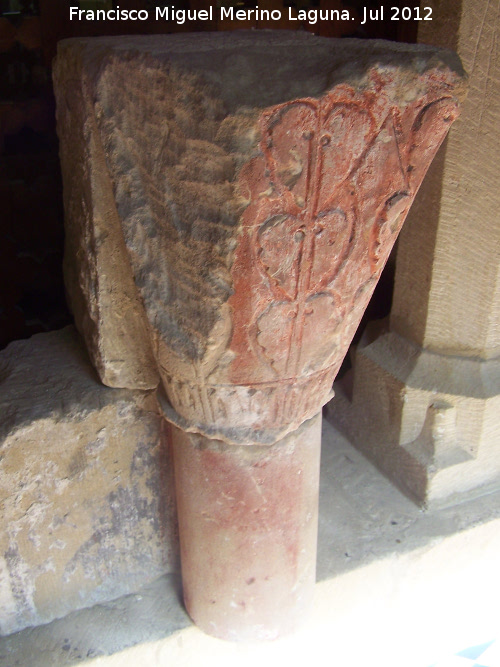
{"x":31,"y":232}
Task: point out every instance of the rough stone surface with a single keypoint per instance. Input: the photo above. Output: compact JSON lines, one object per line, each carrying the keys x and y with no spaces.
{"x":85,"y":484}
{"x":249,"y":188}
{"x":424,"y":401}
{"x":248,"y":524}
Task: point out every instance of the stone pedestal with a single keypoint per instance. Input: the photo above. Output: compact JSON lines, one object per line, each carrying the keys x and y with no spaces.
{"x":231,"y":201}
{"x":424,"y":400}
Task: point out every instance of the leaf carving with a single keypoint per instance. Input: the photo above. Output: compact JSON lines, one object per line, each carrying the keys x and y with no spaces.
{"x":319,"y":332}
{"x":275,"y":330}
{"x":332,"y":237}
{"x":340,"y":186}
{"x":303,"y":245}
{"x":319,"y":320}
{"x":345,"y":125}
{"x":291,"y":132}
{"x":281,"y":239}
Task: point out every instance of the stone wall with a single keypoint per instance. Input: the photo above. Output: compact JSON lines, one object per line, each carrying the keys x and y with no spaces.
{"x":423,"y":400}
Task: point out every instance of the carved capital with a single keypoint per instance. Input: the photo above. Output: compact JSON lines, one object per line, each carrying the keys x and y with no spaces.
{"x":252,"y":221}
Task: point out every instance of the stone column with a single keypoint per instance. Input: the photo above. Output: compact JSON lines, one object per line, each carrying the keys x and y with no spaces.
{"x":231,"y":201}
{"x":249,"y":518}
{"x":425,"y":400}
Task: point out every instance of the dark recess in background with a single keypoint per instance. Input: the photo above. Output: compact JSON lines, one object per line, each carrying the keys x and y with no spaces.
{"x":31,"y":214}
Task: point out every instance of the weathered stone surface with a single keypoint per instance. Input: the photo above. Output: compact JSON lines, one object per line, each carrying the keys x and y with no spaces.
{"x":85,"y":484}
{"x":251,"y":187}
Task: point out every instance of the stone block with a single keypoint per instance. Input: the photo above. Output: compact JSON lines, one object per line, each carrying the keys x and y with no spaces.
{"x":88,"y":512}
{"x":429,"y":421}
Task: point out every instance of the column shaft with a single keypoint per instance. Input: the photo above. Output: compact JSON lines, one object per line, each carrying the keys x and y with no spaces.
{"x":248,"y":518}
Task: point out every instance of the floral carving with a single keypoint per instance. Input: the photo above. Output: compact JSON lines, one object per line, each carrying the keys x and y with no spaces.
{"x":225,"y":233}
{"x":329,"y":195}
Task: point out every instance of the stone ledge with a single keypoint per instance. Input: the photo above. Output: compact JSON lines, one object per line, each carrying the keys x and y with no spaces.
{"x":85,"y":485}
{"x":393,"y":579}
